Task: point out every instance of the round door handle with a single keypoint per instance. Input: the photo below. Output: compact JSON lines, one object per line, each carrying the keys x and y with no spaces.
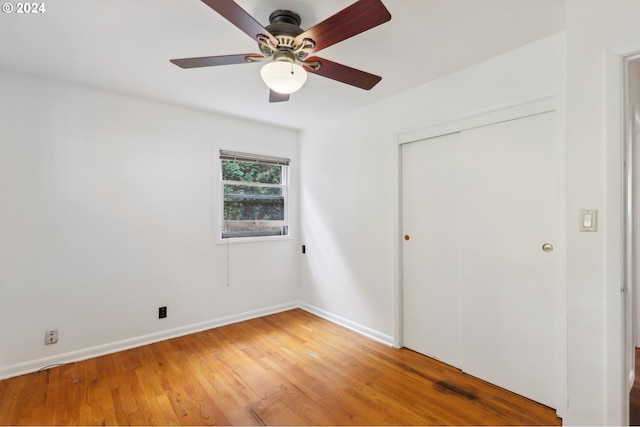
{"x":406,"y":237}
{"x":547,"y":247}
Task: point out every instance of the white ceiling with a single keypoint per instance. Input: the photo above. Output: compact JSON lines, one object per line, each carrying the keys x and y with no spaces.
{"x":124,"y":46}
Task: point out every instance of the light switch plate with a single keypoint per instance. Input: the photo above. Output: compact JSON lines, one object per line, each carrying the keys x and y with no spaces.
{"x":588,"y":220}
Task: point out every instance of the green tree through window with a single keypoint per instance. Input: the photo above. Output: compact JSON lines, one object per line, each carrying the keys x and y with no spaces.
{"x":254,"y":195}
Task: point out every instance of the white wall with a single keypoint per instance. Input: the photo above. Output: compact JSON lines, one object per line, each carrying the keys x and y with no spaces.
{"x":109,"y":210}
{"x":349,"y":179}
{"x":594,"y":178}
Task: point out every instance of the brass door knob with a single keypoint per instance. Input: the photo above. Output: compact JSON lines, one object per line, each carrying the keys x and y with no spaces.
{"x":406,"y":237}
{"x":547,"y":247}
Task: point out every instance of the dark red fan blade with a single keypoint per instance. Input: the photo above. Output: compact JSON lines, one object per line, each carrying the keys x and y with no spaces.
{"x":344,"y":74}
{"x":210,"y":61}
{"x":278,"y":97}
{"x":239,"y":17}
{"x":355,"y":19}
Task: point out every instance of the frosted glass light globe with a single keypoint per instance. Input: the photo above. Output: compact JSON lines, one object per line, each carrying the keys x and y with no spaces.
{"x":283,"y":77}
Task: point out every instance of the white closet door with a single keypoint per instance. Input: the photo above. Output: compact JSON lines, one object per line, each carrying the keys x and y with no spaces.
{"x":478,"y":290}
{"x":509,"y":282}
{"x":431,"y":270}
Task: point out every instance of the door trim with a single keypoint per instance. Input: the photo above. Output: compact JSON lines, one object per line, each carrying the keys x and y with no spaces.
{"x":618,"y":267}
{"x":497,"y":115}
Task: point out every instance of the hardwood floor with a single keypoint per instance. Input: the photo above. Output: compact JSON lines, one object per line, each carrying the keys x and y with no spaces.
{"x":291,"y":368}
{"x":634,"y":397}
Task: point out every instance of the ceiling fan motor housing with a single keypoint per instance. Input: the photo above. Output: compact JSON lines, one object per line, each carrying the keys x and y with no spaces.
{"x":285,"y":27}
{"x":285,"y":21}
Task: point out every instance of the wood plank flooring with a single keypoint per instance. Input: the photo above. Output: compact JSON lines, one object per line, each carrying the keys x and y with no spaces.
{"x":634,"y":397}
{"x":291,"y":368}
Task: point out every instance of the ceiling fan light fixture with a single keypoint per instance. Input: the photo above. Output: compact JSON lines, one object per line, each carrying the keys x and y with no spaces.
{"x":283,"y":77}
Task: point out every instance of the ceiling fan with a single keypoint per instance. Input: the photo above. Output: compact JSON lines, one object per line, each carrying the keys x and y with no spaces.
{"x":285,"y":47}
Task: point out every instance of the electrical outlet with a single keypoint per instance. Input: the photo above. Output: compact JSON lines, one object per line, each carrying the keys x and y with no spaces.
{"x":162,"y":312}
{"x":51,"y":337}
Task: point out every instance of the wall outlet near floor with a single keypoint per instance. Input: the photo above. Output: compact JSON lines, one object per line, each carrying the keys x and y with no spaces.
{"x":51,"y":337}
{"x":162,"y":312}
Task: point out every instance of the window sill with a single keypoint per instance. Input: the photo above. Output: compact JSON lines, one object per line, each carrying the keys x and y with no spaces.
{"x":257,"y":239}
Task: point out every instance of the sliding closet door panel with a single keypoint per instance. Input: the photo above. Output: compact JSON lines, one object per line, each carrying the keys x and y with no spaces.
{"x":508,"y":281}
{"x":431,"y":270}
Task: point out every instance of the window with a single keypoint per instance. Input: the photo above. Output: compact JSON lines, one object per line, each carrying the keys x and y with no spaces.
{"x":254,"y":192}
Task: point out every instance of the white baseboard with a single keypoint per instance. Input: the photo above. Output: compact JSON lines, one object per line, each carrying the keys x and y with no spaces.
{"x":100,"y":350}
{"x":356,"y":327}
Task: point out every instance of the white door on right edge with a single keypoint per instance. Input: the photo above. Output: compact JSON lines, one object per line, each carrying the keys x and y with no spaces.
{"x":486,"y":211}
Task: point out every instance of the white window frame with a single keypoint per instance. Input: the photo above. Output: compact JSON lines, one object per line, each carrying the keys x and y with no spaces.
{"x":284,"y":186}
